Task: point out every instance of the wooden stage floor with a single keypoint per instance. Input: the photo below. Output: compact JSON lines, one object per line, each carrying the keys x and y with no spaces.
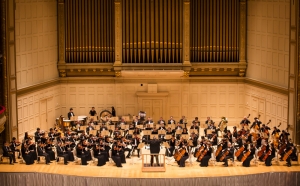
{"x":132,"y":169}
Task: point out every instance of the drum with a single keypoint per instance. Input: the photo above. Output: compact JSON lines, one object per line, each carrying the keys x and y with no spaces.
{"x":66,"y":123}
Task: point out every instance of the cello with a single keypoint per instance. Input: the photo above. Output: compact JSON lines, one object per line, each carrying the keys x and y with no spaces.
{"x":198,"y":153}
{"x":178,"y":155}
{"x":202,"y":155}
{"x":245,"y":156}
{"x":286,"y":155}
{"x":224,"y":155}
{"x":238,"y":152}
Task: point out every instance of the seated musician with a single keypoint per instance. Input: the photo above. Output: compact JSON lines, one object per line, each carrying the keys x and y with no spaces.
{"x":161,"y":121}
{"x":171,"y":120}
{"x":235,"y":132}
{"x":13,"y":146}
{"x":265,"y":129}
{"x":61,"y":152}
{"x":212,"y":127}
{"x":125,"y":144}
{"x":27,"y":154}
{"x":83,"y":135}
{"x":93,"y":112}
{"x":89,"y":128}
{"x":178,"y":127}
{"x":246,"y":163}
{"x":223,"y":146}
{"x":103,"y":151}
{"x":107,"y":143}
{"x":209,"y":121}
{"x":32,"y":148}
{"x":135,"y":122}
{"x":162,"y":127}
{"x":169,"y":131}
{"x":41,"y":152}
{"x":196,"y":120}
{"x":61,"y":138}
{"x":214,"y":139}
{"x":194,"y":138}
{"x":184,"y":131}
{"x":230,"y":155}
{"x":116,"y":155}
{"x":121,"y":148}
{"x":98,"y":153}
{"x":239,"y":158}
{"x":26,"y":136}
{"x":92,"y":140}
{"x":135,"y":141}
{"x":196,"y":127}
{"x":229,"y":136}
{"x":117,"y":134}
{"x":183,"y":153}
{"x":37,"y":135}
{"x":155,"y":131}
{"x":289,"y":147}
{"x":245,"y":122}
{"x":8,"y":152}
{"x":183,"y":121}
{"x":258,"y":140}
{"x":271,"y":150}
{"x":172,"y":143}
{"x":43,"y":137}
{"x":103,"y":127}
{"x":48,"y":149}
{"x":207,"y":156}
{"x":81,"y":153}
{"x":136,"y":131}
{"x":52,"y":134}
{"x":72,"y":142}
{"x":148,"y":121}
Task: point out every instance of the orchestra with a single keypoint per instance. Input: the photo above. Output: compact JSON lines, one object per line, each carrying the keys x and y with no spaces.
{"x":119,"y":139}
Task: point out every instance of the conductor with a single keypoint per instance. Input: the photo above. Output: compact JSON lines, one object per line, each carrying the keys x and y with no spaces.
{"x":154,"y":149}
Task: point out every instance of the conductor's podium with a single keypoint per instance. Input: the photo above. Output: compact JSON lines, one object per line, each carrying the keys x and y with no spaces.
{"x":146,"y":160}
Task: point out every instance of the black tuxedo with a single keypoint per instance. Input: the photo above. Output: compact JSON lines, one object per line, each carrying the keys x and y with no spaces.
{"x":7,"y":152}
{"x":62,"y":153}
{"x":154,"y":149}
{"x":42,"y":152}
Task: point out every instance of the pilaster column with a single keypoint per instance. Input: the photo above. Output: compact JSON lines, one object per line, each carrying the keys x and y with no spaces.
{"x":118,"y":33}
{"x":186,"y":38}
{"x":61,"y":35}
{"x":11,"y":127}
{"x":293,"y":84}
{"x":242,"y":37}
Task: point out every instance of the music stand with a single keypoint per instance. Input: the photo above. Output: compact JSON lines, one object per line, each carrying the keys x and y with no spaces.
{"x":208,"y":132}
{"x":140,"y":126}
{"x":105,"y":133}
{"x":115,"y":119}
{"x":130,"y":132}
{"x":147,"y":132}
{"x":162,"y":132}
{"x":154,"y":135}
{"x":179,"y":131}
{"x":124,"y":127}
{"x":151,"y":125}
{"x":83,"y":128}
{"x":126,"y":118}
{"x":182,"y":125}
{"x":95,"y":118}
{"x":168,"y":136}
{"x":94,"y":132}
{"x":185,"y":136}
{"x":111,"y":127}
{"x":97,"y":127}
{"x":194,"y":130}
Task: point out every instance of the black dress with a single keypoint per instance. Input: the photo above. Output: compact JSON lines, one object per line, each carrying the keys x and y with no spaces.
{"x":246,"y":163}
{"x":27,"y":155}
{"x":205,"y":159}
{"x":268,"y":161}
{"x":116,"y":157}
{"x":101,"y":157}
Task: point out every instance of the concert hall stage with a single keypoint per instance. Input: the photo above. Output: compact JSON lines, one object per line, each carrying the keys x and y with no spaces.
{"x":131,"y":174}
